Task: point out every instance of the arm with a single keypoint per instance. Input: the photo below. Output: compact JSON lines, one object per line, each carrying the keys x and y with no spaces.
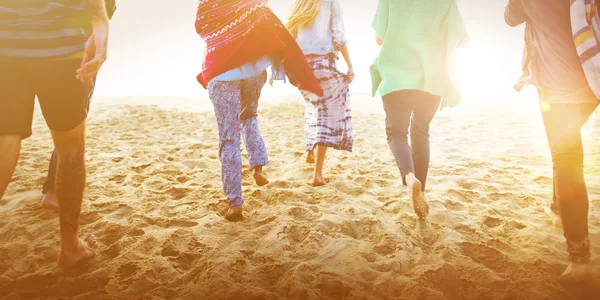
{"x":346,"y":55}
{"x":513,"y":14}
{"x":97,"y":45}
{"x":339,"y":35}
{"x":380,"y":22}
{"x":111,"y":7}
{"x":338,"y":30}
{"x":457,"y":28}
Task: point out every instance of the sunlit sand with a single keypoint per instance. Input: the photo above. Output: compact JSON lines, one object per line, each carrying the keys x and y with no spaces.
{"x":154,"y":202}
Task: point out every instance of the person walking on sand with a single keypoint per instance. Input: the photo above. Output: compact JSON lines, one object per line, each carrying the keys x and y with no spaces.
{"x":413,"y":72}
{"x":49,"y":200}
{"x":243,"y":38}
{"x":318,"y":26}
{"x":44,"y":53}
{"x":552,"y":65}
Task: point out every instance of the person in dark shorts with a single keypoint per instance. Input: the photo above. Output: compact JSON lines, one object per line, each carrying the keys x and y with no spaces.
{"x":46,"y":52}
{"x":49,"y":200}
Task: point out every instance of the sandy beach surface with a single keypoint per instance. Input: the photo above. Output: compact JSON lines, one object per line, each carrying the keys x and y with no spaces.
{"x":155,"y":202}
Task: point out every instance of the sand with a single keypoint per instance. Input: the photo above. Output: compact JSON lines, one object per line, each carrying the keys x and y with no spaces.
{"x":155,"y":202}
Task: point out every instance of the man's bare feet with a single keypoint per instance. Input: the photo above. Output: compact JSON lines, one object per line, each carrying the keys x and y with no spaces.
{"x":235,"y":214}
{"x":260,"y":177}
{"x":318,"y":181}
{"x":420,"y":206}
{"x":310,"y":157}
{"x":578,"y":273}
{"x":49,"y":201}
{"x":85,"y":250}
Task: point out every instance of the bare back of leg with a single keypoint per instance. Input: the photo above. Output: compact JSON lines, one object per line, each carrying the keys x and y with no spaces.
{"x":70,"y":185}
{"x":10,"y":146}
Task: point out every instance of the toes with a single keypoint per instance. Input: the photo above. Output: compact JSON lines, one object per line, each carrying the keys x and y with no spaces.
{"x":91,"y":241}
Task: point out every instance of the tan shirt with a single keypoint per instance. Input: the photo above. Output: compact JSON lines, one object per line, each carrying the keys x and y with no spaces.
{"x":550,"y":60}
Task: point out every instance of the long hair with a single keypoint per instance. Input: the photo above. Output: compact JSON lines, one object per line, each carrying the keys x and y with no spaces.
{"x":303,"y":15}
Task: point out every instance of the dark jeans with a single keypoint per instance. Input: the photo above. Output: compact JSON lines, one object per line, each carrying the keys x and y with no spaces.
{"x":563,"y":124}
{"x":51,"y":178}
{"x":414,"y":110}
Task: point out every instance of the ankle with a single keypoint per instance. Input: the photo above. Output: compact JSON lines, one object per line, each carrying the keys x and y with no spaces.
{"x":69,"y":242}
{"x":411,"y":178}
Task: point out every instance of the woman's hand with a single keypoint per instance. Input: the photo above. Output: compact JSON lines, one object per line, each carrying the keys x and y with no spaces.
{"x":271,"y":80}
{"x":378,"y":40}
{"x":350,"y":74}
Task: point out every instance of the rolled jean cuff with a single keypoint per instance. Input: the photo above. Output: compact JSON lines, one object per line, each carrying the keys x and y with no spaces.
{"x":581,"y":259}
{"x":579,"y":252}
{"x":403,"y":173}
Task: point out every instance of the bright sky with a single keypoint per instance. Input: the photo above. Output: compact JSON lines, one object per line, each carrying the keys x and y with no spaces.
{"x":154,"y":50}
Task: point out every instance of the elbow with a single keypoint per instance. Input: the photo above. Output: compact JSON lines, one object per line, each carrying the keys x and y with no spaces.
{"x":512,"y":22}
{"x":513,"y":19}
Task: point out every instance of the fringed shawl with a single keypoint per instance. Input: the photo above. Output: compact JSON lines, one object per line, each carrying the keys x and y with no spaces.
{"x":585,"y":23}
{"x":237,"y":32}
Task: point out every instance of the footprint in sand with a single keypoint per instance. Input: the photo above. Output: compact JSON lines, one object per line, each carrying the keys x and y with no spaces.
{"x":294,"y":232}
{"x":492,"y":222}
{"x":178,"y":193}
{"x":118,"y":178}
{"x":487,"y":256}
{"x":453,"y":205}
{"x":8,"y":203}
{"x":361,"y":229}
{"x":301,"y":213}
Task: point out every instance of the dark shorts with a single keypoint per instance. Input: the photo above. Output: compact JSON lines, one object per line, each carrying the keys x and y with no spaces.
{"x":63,"y":99}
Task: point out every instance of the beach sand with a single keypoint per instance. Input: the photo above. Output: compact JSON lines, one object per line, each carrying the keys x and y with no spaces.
{"x":155,"y":202}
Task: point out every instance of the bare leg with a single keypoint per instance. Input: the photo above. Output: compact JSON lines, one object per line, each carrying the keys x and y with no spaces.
{"x":260,"y":177}
{"x":49,"y":200}
{"x":578,"y":273}
{"x":10,"y":146}
{"x":310,"y":157}
{"x":70,"y":185}
{"x":416,"y":193}
{"x":321,"y":152}
{"x":235,"y":214}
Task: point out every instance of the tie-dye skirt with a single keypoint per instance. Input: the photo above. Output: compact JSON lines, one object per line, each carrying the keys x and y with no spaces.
{"x":328,"y":119}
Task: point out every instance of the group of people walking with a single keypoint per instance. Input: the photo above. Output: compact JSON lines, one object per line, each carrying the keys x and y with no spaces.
{"x":53,"y":49}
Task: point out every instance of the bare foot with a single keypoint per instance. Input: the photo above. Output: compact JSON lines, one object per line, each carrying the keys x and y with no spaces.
{"x":260,"y":178}
{"x":578,"y":273}
{"x":310,"y":157}
{"x":49,"y":201}
{"x":419,"y":204}
{"x":318,"y":181}
{"x":235,"y":214}
{"x":85,"y":251}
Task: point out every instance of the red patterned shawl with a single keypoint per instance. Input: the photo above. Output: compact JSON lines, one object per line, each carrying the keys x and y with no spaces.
{"x":237,"y":32}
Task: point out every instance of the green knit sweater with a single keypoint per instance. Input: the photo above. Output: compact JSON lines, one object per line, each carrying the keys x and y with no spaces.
{"x":420,"y":38}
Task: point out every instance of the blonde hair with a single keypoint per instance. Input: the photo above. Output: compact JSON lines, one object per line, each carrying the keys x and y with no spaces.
{"x":303,"y":15}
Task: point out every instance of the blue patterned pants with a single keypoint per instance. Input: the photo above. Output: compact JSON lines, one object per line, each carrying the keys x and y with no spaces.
{"x":236,"y":104}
